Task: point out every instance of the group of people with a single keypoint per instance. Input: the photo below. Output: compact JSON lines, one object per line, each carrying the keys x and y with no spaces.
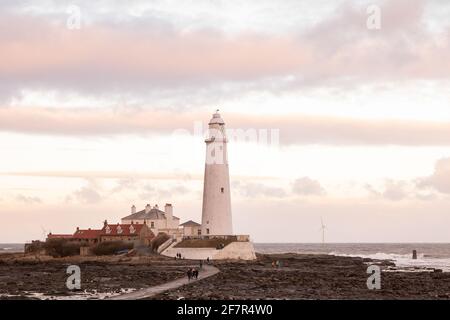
{"x":178,"y":256}
{"x":192,"y":274}
{"x":201,"y":262}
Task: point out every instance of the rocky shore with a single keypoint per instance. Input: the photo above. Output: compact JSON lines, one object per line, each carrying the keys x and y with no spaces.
{"x":299,"y":276}
{"x":312,"y":277}
{"x":42,"y":277}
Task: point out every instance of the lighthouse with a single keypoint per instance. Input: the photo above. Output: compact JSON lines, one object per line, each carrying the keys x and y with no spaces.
{"x":216,"y":210}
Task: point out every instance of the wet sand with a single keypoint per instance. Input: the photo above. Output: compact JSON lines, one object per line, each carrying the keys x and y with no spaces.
{"x":23,"y":276}
{"x":299,"y":277}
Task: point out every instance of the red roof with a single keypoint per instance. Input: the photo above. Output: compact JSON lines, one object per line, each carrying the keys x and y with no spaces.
{"x":59,"y":236}
{"x":87,"y":234}
{"x":122,"y":229}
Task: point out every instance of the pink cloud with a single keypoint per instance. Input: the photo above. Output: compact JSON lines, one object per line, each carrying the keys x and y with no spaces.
{"x":102,"y":56}
{"x":293,"y":128}
{"x":440,"y":179}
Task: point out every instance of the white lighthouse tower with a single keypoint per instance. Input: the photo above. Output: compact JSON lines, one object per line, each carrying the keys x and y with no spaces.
{"x":216,"y":210}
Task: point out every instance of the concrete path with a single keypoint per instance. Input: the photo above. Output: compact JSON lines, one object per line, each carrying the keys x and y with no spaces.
{"x":206,"y":272}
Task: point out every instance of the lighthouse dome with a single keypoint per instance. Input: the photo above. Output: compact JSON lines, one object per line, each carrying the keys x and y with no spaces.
{"x":216,"y":119}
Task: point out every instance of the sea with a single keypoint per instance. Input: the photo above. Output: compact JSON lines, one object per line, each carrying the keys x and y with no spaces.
{"x":429,"y":255}
{"x":11,"y":247}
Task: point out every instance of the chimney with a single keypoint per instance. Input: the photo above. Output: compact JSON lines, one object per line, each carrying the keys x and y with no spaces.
{"x":147,"y":208}
{"x":169,"y":215}
{"x":105,"y":223}
{"x":133,"y":209}
{"x":156,"y":206}
{"x":78,"y":228}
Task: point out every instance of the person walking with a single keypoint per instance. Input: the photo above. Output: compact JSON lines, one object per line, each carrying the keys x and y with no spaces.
{"x":201,"y":264}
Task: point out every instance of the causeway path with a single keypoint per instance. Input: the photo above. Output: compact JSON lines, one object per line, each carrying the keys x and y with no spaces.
{"x":206,"y":272}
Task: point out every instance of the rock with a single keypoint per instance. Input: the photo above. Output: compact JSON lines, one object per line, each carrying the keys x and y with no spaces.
{"x":131,"y":253}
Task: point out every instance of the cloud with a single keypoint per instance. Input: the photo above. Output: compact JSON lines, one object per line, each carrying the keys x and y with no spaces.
{"x":87,"y":195}
{"x":150,"y":192}
{"x":440,"y":179}
{"x":395,"y":190}
{"x":124,"y":184}
{"x":170,"y":192}
{"x":28,"y":199}
{"x":105,"y":57}
{"x":255,"y":190}
{"x":399,"y":190}
{"x":392,"y":190}
{"x":293,"y":128}
{"x":306,"y":187}
{"x":372,"y":191}
{"x":121,"y":175}
{"x":101,"y":58}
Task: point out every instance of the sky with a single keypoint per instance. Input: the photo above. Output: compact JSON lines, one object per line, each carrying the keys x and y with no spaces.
{"x":335,"y":110}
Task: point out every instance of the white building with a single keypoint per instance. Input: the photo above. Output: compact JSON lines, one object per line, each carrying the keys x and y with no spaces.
{"x":156,"y":219}
{"x":216,"y":210}
{"x":191,"y":228}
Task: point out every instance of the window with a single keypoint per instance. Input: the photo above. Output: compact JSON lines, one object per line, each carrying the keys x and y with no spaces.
{"x":152,"y":224}
{"x":222,"y":189}
{"x":199,"y":232}
{"x":207,"y":231}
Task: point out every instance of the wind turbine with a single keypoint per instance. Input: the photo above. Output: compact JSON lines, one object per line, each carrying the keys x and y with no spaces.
{"x":322,"y":228}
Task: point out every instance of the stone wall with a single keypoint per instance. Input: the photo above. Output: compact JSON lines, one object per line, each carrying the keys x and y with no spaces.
{"x":233,"y":251}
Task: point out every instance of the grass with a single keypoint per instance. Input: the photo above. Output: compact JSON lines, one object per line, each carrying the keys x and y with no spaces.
{"x":203,"y":243}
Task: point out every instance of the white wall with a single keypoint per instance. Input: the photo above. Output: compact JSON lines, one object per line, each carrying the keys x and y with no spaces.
{"x":233,"y":251}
